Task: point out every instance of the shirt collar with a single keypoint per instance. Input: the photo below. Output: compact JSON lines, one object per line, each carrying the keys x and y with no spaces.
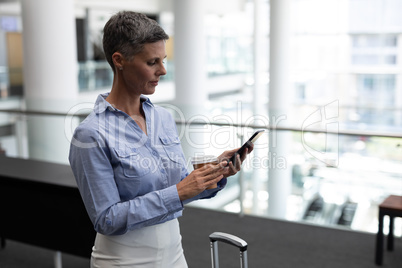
{"x":146,"y":100}
{"x":101,"y":104}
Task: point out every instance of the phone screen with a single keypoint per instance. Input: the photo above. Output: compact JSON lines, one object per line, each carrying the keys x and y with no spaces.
{"x":256,"y":135}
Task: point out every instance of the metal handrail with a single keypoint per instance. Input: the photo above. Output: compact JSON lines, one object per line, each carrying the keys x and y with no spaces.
{"x":359,"y":133}
{"x":33,"y":112}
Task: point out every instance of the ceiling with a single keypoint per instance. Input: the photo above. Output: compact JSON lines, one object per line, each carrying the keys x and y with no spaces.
{"x":12,"y":7}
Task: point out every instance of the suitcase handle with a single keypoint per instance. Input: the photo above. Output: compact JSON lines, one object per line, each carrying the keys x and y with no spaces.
{"x":231,"y":240}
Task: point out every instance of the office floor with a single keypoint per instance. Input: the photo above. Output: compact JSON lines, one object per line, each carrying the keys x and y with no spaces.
{"x":280,"y":244}
{"x":272,"y":244}
{"x":19,"y":255}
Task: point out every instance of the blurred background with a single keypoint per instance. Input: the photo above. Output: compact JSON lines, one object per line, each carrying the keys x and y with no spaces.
{"x":322,"y":77}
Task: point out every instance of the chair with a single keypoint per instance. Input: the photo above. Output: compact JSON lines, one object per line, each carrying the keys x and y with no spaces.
{"x":391,"y":206}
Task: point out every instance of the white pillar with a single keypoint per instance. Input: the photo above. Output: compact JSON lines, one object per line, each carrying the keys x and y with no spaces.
{"x":279,"y":179}
{"x":189,"y":53}
{"x":259,"y":92}
{"x":398,"y":88}
{"x":258,"y":61}
{"x":190,"y":71}
{"x":50,"y":73}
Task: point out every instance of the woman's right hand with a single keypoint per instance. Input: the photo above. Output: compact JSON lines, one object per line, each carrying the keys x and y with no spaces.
{"x":200,"y":179}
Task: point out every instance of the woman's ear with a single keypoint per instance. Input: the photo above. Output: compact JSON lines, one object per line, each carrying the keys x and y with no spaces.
{"x":118,"y":58}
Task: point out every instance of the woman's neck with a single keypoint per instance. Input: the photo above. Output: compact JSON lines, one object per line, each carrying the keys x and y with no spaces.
{"x":122,"y":100}
{"x":130,"y":104}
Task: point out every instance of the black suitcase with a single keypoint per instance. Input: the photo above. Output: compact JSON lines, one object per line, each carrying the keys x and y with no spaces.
{"x":231,"y":240}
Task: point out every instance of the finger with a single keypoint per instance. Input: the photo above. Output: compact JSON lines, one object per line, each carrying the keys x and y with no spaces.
{"x":208,"y":167}
{"x":223,"y":163}
{"x":222,"y":170}
{"x":228,"y":154}
{"x":218,"y":179}
{"x":211,"y":178}
{"x":231,"y":152}
{"x":211,"y":168}
{"x":231,"y":169}
{"x":244,"y":154}
{"x":251,"y":148}
{"x":213,"y":181}
{"x":240,"y":161}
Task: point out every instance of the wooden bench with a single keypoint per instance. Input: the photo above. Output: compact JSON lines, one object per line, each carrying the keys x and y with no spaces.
{"x":391,"y":206}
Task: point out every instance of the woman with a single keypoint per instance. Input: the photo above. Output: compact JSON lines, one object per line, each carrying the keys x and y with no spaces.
{"x":127,"y":159}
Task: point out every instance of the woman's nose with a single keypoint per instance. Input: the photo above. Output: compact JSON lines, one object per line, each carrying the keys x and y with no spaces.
{"x":162,"y":69}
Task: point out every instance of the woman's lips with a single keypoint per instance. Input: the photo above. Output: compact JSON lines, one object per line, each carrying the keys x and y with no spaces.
{"x":154,"y":83}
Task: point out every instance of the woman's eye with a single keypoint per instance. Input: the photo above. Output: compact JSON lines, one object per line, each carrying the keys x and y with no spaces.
{"x":151,"y":63}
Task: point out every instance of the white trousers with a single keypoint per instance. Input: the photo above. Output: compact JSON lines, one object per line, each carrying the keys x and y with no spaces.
{"x":157,"y":246}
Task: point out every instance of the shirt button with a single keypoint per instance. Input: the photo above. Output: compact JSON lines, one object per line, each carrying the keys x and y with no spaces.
{"x":154,"y":153}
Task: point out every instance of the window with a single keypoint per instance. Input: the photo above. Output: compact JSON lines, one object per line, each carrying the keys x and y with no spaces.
{"x":374,"y":49}
{"x":376,"y":95}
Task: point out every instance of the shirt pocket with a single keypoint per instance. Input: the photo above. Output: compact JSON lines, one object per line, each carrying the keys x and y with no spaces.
{"x":133,"y":163}
{"x":172,"y":148}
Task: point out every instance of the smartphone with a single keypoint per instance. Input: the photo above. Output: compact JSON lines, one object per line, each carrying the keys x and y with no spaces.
{"x":248,"y":143}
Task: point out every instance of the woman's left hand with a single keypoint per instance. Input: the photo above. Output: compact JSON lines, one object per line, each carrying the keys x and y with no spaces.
{"x":233,"y":169}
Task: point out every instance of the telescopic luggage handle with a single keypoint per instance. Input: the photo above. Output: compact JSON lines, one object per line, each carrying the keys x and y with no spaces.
{"x":231,"y":240}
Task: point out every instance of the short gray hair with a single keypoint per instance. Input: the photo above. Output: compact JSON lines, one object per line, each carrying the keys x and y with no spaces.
{"x":127,"y":32}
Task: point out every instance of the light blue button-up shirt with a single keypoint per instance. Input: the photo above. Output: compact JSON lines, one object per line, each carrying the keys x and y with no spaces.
{"x":127,"y":179}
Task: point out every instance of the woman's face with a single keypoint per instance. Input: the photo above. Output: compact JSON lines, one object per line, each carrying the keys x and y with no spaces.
{"x":143,"y":71}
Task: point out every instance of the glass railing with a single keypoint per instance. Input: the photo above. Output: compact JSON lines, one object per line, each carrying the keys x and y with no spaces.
{"x":95,"y":75}
{"x":4,"y":80}
{"x":11,"y":82}
{"x":340,"y":187}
